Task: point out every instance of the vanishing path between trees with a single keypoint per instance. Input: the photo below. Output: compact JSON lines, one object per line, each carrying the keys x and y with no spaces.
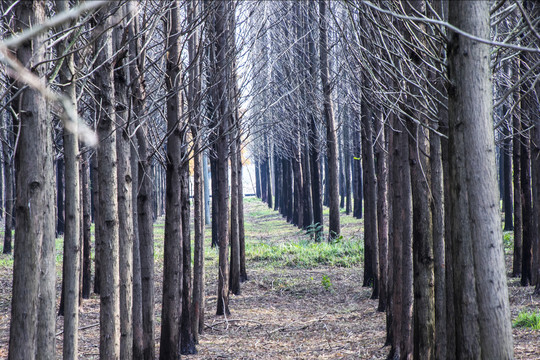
{"x":300,"y":301}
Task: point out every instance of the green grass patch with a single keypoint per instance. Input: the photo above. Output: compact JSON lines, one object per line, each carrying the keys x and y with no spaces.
{"x":528,"y":319}
{"x":306,"y":254}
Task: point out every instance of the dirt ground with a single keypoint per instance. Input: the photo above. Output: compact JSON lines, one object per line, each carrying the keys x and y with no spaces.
{"x":283,"y":312}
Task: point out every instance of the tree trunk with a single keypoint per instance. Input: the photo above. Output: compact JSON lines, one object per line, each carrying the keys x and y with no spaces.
{"x":257,"y":179}
{"x":109,"y":319}
{"x":7,"y":151}
{"x":97,"y":221}
{"x":194,"y":107}
{"x":172,"y":308}
{"x":507,"y":179}
{"x":526,"y":262}
{"x":144,"y":206}
{"x":220,"y":74}
{"x":438,"y":217}
{"x":357,"y":171}
{"x":72,"y":246}
{"x":187,"y":342}
{"x":86,"y":228}
{"x":381,"y":168}
{"x":125,"y":199}
{"x":60,"y":222}
{"x":347,"y":162}
{"x":234,"y":274}
{"x":484,"y":328}
{"x":331,"y":137}
{"x":424,"y":292}
{"x":371,"y":264}
{"x":241,"y":228}
{"x":206,"y":180}
{"x":32,"y":326}
{"x":307,"y":199}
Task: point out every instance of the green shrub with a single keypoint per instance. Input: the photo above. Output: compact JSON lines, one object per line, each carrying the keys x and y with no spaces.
{"x":528,"y":319}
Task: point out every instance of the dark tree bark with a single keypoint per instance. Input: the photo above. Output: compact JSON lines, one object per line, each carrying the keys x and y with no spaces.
{"x":278,"y":188}
{"x":143,"y":301}
{"x":331,"y":138}
{"x":97,"y":220}
{"x":257,"y":179}
{"x":347,"y":162}
{"x":194,"y":108}
{"x":527,"y":210}
{"x":234,"y":274}
{"x":307,"y":199}
{"x":187,"y":342}
{"x":424,"y":292}
{"x":172,"y":308}
{"x":86,"y":228}
{"x":241,"y":227}
{"x":381,"y":169}
{"x":371,"y":248}
{"x":357,"y":171}
{"x":60,"y":222}
{"x":507,"y":179}
{"x":316,"y":195}
{"x":220,"y":74}
{"x":9,"y":193}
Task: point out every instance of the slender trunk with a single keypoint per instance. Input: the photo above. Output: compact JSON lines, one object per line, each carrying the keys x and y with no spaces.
{"x":234,"y":272}
{"x":331,"y":137}
{"x":137,"y":321}
{"x":278,"y":182}
{"x":86,"y":228}
{"x":187,"y":342}
{"x":241,"y":227}
{"x":257,"y":179}
{"x":526,"y":262}
{"x":307,"y":199}
{"x":220,"y":74}
{"x":109,"y":319}
{"x":125,"y":201}
{"x":97,"y":221}
{"x":206,"y":180}
{"x":72,"y":268}
{"x":194,"y":107}
{"x":381,"y":149}
{"x":439,"y":251}
{"x":518,"y":193}
{"x":347,"y":163}
{"x":371,"y":264}
{"x":357,"y":171}
{"x":60,"y":222}
{"x":507,"y":179}
{"x":144,"y":207}
{"x":172,"y":309}
{"x":9,"y":178}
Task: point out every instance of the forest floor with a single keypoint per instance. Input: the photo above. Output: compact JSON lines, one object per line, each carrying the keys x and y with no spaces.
{"x":303,"y":300}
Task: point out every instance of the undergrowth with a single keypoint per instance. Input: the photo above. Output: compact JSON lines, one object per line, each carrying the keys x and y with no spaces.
{"x":307,"y":254}
{"x":528,"y":319}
